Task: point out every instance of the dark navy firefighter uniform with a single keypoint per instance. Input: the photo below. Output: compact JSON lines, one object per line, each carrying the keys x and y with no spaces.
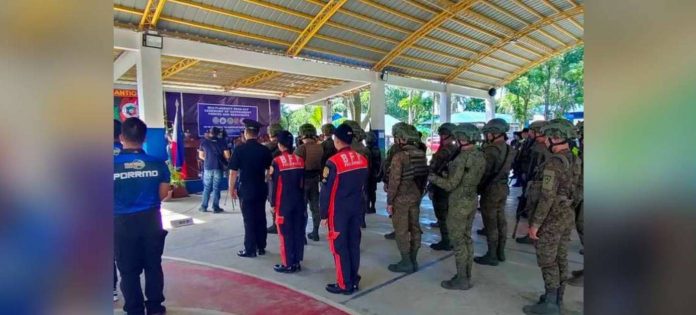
{"x":251,"y":160}
{"x":288,"y":200}
{"x":138,"y":233}
{"x":341,"y":203}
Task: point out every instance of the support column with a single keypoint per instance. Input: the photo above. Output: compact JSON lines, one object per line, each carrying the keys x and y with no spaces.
{"x":490,"y":108}
{"x":378,"y":112}
{"x":445,"y":107}
{"x":151,"y":100}
{"x":326,"y":112}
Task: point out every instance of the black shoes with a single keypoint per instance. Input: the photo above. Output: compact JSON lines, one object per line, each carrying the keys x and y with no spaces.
{"x":371,"y":210}
{"x":313,"y":236}
{"x":287,"y":269}
{"x":390,"y":236}
{"x":244,"y":253}
{"x":356,"y":286}
{"x":262,"y":252}
{"x":524,"y":240}
{"x":272,"y":230}
{"x":442,"y":245}
{"x":335,"y":289}
{"x":201,"y":209}
{"x":218,"y":210}
{"x":488,"y":259}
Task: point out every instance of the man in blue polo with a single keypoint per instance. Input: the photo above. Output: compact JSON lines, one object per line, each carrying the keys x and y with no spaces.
{"x":214,"y":153}
{"x":140,"y":183}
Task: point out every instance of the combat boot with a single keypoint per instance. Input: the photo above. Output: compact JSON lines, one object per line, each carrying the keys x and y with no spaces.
{"x":315,"y":234}
{"x":546,"y":305}
{"x":501,"y":250}
{"x":442,"y":245}
{"x":414,"y":259}
{"x":405,"y":265}
{"x":491,"y":257}
{"x":561,"y":292}
{"x":457,"y":283}
{"x":524,"y":240}
{"x":390,"y":236}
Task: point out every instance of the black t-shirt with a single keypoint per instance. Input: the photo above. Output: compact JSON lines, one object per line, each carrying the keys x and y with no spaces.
{"x":251,"y":160}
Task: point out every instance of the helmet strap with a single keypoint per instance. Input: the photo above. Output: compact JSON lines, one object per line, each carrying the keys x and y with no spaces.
{"x":551,"y":144}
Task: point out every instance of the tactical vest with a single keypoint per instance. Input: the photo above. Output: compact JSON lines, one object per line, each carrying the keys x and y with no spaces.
{"x":504,"y":165}
{"x":416,"y":165}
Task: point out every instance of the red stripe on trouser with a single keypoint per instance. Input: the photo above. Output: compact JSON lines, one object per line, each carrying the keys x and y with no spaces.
{"x":279,"y":222}
{"x":333,"y":235}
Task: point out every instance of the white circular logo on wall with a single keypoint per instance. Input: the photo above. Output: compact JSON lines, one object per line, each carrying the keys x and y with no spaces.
{"x":129,"y":110}
{"x":216,"y":120}
{"x":223,"y":120}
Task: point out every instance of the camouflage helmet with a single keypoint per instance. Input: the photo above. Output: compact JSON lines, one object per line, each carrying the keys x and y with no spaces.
{"x":327,"y":129}
{"x":537,"y":125}
{"x":559,"y":127}
{"x":400,"y":130}
{"x":412,"y":134}
{"x":357,"y":130}
{"x":274,"y":129}
{"x":446,"y":129}
{"x":580,"y":128}
{"x":496,"y":125}
{"x":467,"y":131}
{"x":308,"y":130}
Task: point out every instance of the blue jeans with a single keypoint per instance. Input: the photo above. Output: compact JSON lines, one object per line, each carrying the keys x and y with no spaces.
{"x":211,"y":182}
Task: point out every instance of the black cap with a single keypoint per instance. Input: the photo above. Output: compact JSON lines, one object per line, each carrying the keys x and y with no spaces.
{"x":252,"y":125}
{"x":344,"y":133}
{"x":285,"y":138}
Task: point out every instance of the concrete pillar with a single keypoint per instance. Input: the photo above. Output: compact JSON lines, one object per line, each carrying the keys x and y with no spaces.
{"x":151,"y":100}
{"x":378,"y":111}
{"x":445,"y":107}
{"x":326,"y":112}
{"x":490,"y":108}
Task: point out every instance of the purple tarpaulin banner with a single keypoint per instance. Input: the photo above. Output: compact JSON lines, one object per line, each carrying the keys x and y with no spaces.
{"x":268,"y":111}
{"x":227,"y":117}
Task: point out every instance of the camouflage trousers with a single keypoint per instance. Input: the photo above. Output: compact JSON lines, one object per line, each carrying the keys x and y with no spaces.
{"x":440,"y":206}
{"x":580,"y":221}
{"x":406,"y":224}
{"x":552,"y":248}
{"x":461,"y":219}
{"x":493,"y":213}
{"x":311,"y":189}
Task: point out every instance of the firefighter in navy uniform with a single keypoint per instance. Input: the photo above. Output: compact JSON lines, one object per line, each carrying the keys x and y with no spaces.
{"x":288,"y":200}
{"x":251,"y":161}
{"x":341,"y":201}
{"x":140,"y":183}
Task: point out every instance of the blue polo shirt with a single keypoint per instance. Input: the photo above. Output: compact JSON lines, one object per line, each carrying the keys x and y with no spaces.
{"x":137,"y":177}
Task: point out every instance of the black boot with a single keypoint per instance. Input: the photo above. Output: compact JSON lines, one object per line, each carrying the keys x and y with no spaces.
{"x":546,"y":305}
{"x":442,"y":245}
{"x":315,"y":233}
{"x":272,"y":229}
{"x":390,"y":236}
{"x":414,"y":259}
{"x":488,"y":259}
{"x":459,"y":282}
{"x":501,"y":250}
{"x":559,"y":298}
{"x":524,"y":240}
{"x":405,"y":265}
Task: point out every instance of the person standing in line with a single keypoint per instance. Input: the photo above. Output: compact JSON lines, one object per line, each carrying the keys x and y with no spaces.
{"x":341,"y":199}
{"x":358,"y":146}
{"x":311,"y":152}
{"x":537,"y":153}
{"x":464,"y":174}
{"x":438,"y":165}
{"x":288,"y":199}
{"x":494,"y":190}
{"x":553,"y":217}
{"x":375,"y":171}
{"x":386,"y":166}
{"x":272,"y":145}
{"x":215,"y":156}
{"x":141,"y":182}
{"x":407,"y":178}
{"x":327,"y":144}
{"x":251,"y":162}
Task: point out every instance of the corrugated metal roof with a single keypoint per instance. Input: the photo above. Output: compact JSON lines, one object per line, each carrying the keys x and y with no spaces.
{"x":362,"y":32}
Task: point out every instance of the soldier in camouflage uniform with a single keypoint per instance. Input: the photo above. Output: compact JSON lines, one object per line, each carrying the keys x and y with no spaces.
{"x":358,"y":146}
{"x":407,"y":179}
{"x":553,"y":216}
{"x":311,"y":152}
{"x":327,"y":145}
{"x":375,"y":171}
{"x":463,"y":177}
{"x":537,"y":153}
{"x":578,"y":275}
{"x":386,"y":165}
{"x":273,"y":131}
{"x":494,"y":190}
{"x":438,"y":166}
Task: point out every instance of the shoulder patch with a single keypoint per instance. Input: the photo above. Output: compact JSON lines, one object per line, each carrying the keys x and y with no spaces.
{"x":549,"y":179}
{"x":325,"y":173}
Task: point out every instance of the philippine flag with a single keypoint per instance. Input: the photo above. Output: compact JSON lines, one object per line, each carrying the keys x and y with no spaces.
{"x":178,"y":160}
